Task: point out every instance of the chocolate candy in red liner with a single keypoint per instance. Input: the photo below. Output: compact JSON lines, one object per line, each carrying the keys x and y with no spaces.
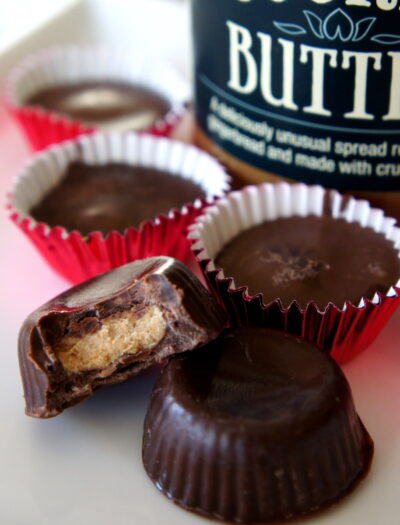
{"x":104,"y":103}
{"x":291,"y":281}
{"x":90,"y":182}
{"x":113,"y":196}
{"x":110,"y":328}
{"x":257,"y":426}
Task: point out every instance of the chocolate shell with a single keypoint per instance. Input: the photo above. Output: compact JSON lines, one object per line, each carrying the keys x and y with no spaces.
{"x":118,"y":105}
{"x":256,"y":427}
{"x":110,"y":328}
{"x":113,"y":196}
{"x":311,"y":259}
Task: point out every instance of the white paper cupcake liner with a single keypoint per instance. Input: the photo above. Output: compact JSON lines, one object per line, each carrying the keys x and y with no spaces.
{"x":78,"y":257}
{"x":342,"y":329}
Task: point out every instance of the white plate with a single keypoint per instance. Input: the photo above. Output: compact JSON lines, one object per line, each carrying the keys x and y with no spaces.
{"x":19,"y":20}
{"x":84,"y":467}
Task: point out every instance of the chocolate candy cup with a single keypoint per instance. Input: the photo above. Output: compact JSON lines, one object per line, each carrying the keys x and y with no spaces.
{"x":62,"y":92}
{"x":256,"y":427}
{"x":318,"y":260}
{"x":113,"y":197}
{"x":101,"y":200}
{"x":120,"y":105}
{"x":344,"y":329}
{"x":110,"y":328}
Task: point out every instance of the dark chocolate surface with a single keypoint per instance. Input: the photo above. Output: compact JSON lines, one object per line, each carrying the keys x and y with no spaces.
{"x":317,"y":259}
{"x":104,"y":103}
{"x":255,"y":427}
{"x":261,"y":377}
{"x":192,"y":318}
{"x":112,"y":197}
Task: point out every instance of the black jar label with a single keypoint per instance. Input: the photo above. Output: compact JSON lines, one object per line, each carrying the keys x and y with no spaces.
{"x":306,"y":89}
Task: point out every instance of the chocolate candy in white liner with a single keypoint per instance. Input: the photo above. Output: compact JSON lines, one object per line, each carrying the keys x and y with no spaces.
{"x":255,"y":427}
{"x":105,"y":104}
{"x":108,"y":329}
{"x":311,"y":259}
{"x":113,"y":196}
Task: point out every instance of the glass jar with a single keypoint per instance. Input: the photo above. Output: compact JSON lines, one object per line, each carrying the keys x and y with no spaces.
{"x":304,"y":90}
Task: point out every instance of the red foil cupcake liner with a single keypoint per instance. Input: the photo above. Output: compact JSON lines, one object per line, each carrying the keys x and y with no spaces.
{"x":78,"y":257}
{"x":43,"y":128}
{"x":76,"y":64}
{"x":345,"y":330}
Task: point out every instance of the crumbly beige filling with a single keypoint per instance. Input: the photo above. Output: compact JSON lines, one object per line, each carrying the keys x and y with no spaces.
{"x":125,"y":334}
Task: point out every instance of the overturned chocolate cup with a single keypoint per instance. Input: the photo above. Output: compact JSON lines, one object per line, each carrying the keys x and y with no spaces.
{"x":107,"y":330}
{"x":302,"y":259}
{"x":255,"y":427}
{"x":62,"y":92}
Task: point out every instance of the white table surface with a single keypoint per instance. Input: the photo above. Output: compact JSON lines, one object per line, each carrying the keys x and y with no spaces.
{"x":84,"y":467}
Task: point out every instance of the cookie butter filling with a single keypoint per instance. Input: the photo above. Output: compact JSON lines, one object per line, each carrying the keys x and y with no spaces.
{"x":117,"y":336}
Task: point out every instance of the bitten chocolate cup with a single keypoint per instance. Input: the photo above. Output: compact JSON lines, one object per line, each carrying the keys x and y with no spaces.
{"x":255,"y":427}
{"x":110,"y":328}
{"x":62,"y":92}
{"x":99,"y":201}
{"x":302,"y":259}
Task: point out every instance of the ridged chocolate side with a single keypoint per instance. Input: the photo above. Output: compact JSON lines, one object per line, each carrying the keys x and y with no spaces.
{"x":193,"y":318}
{"x":244,"y":471}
